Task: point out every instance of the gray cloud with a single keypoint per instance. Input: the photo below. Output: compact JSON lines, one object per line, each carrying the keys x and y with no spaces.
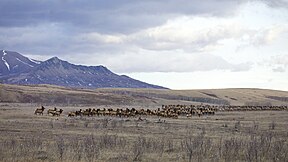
{"x":106,"y":16}
{"x":276,"y":3}
{"x":112,"y":32}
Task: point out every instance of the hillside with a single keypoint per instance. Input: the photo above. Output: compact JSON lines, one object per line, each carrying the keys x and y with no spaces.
{"x":47,"y":94}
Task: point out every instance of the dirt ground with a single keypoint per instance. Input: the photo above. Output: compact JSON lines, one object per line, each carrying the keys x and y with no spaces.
{"x":225,"y":136}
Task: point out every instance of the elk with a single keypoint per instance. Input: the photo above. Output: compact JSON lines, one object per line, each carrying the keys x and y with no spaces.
{"x":39,"y":111}
{"x":57,"y":113}
{"x":71,"y":114}
{"x":51,"y":111}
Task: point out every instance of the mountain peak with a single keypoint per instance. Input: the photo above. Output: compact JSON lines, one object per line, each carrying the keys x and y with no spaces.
{"x":54,"y":59}
{"x":14,"y":63}
{"x":55,"y":71}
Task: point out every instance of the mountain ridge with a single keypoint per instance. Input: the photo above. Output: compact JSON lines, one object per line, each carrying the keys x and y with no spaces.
{"x":55,"y":71}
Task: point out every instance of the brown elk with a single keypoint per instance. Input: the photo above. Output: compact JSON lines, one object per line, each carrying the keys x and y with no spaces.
{"x":39,"y":111}
{"x":57,"y":112}
{"x":87,"y":112}
{"x":51,"y":111}
{"x":71,"y":114}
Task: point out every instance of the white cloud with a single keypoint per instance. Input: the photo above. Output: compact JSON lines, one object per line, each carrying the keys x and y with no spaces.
{"x":148,"y":61}
{"x":188,"y":33}
{"x":277,"y":63}
{"x":95,"y":37}
{"x":279,"y":69}
{"x":255,"y":78}
{"x":280,"y":60}
{"x":269,"y":35}
{"x":204,"y":34}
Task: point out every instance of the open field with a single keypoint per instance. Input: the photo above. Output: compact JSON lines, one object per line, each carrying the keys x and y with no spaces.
{"x":225,"y":136}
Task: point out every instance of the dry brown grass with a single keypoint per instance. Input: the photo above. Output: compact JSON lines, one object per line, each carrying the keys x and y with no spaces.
{"x":226,"y":136}
{"x":51,"y":95}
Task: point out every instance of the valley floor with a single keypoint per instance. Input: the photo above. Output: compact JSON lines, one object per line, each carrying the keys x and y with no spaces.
{"x":225,"y":136}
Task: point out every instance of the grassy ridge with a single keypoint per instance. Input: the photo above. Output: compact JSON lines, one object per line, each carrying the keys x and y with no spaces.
{"x":117,"y":96}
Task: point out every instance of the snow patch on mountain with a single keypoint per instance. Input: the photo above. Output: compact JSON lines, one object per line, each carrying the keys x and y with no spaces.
{"x":4,"y":53}
{"x":36,"y":62}
{"x":14,"y":66}
{"x":5,"y":62}
{"x":24,"y":62}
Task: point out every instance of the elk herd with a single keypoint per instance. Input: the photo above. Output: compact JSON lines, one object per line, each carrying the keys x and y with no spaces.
{"x":166,"y":111}
{"x":53,"y":112}
{"x":123,"y":112}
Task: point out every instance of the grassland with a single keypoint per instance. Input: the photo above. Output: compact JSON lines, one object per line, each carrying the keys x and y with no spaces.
{"x":225,"y":136}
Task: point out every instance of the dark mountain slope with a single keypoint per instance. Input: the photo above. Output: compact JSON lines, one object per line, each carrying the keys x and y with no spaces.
{"x":13,"y":63}
{"x":58,"y":72}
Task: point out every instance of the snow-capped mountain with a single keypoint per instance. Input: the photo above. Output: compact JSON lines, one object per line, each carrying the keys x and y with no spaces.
{"x":58,"y":72}
{"x":13,"y":63}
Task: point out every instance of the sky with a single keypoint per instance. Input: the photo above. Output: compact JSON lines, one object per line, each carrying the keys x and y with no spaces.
{"x":179,"y":44}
